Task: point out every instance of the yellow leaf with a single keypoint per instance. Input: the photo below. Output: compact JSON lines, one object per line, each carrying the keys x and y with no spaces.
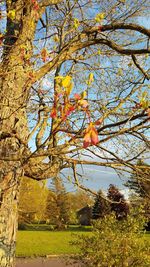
{"x":144,"y":94}
{"x":144,"y":100}
{"x":23,"y":46}
{"x":66,"y":81}
{"x":56,"y":39}
{"x":76,"y":23}
{"x":32,"y":24}
{"x":99,"y":17}
{"x":58,"y":77}
{"x":120,"y":72}
{"x":99,"y":52}
{"x":12,"y":14}
{"x":69,"y":88}
{"x":91,"y":78}
{"x":144,"y":103}
{"x":84,"y":94}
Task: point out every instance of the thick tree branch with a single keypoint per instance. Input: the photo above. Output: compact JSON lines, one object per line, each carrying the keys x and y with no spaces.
{"x":116,"y":47}
{"x":118,"y":26}
{"x":38,"y":170}
{"x":45,"y":3}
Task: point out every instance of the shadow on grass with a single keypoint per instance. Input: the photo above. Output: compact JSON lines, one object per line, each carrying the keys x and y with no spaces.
{"x":46,"y":227}
{"x":76,"y":228}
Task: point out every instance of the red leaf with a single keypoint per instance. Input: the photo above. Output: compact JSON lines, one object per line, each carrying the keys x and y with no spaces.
{"x":35,"y":5}
{"x":53,"y":113}
{"x":68,"y":111}
{"x":77,"y":96}
{"x":87,"y":140}
{"x":98,"y":122}
{"x":100,"y":27}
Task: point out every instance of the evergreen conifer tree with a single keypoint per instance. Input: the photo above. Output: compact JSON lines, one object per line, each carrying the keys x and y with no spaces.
{"x":118,"y":203}
{"x":101,"y":206}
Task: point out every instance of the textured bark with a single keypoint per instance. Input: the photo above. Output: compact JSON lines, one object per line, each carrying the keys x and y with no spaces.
{"x":13,"y":150}
{"x":13,"y":136}
{"x":13,"y":125}
{"x":8,"y":219}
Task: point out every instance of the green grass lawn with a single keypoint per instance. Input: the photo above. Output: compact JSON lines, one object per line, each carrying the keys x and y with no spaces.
{"x":41,"y":243}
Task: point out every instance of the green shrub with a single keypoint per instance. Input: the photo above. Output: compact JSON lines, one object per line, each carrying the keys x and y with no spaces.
{"x":114,"y":243}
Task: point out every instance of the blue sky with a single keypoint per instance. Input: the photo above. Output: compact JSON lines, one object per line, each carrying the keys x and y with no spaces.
{"x":144,"y":21}
{"x":96,"y":177}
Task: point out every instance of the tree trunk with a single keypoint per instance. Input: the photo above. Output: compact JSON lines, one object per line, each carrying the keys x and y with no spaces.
{"x":13,"y":138}
{"x":17,"y":78}
{"x":10,"y":174}
{"x":8,"y":218}
{"x":15,"y":86}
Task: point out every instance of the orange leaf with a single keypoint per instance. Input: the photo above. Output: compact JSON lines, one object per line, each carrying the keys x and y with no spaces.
{"x":44,"y":54}
{"x":53,"y":113}
{"x":94,"y":137}
{"x":77,"y":96}
{"x":91,"y":136}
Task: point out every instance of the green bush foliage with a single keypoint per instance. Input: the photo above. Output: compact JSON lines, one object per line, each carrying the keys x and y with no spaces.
{"x":115,"y":243}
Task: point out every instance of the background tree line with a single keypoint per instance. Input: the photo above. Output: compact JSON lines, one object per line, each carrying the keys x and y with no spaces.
{"x":53,"y":205}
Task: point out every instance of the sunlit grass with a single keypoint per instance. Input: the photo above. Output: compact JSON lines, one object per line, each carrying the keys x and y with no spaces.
{"x":42,"y":243}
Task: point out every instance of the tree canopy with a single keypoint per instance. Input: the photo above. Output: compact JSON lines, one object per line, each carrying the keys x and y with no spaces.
{"x":85,"y":82}
{"x":73,"y":90}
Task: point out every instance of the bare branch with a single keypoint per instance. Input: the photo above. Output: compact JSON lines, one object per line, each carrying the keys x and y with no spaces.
{"x":87,"y":38}
{"x":139,"y":67}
